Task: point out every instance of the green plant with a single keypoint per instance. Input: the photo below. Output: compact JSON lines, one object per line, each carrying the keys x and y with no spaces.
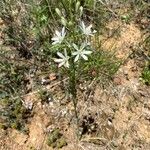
{"x":12,"y":79}
{"x":77,"y":55}
{"x":55,"y":139}
{"x":146,"y":74}
{"x":45,"y":96}
{"x":14,"y":114}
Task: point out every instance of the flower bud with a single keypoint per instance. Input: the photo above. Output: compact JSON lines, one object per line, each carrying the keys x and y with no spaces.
{"x":58,"y":12}
{"x":70,"y":23}
{"x":77,"y":6}
{"x":63,"y":21}
{"x":81,"y":11}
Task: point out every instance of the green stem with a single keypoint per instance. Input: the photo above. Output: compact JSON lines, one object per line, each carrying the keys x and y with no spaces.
{"x":72,"y":84}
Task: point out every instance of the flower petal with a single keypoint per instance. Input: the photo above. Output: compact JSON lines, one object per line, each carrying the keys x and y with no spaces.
{"x":75,"y":53}
{"x":58,"y":60}
{"x":54,"y":38}
{"x":63,"y":31}
{"x":87,"y":52}
{"x":57,"y":33}
{"x":84,"y":57}
{"x":61,"y":64}
{"x":76,"y":58}
{"x":65,"y":52}
{"x":55,"y":42}
{"x":75,"y":47}
{"x":94,"y":31}
{"x":83,"y":26}
{"x":66,"y":64}
{"x":60,"y":55}
{"x":83,"y":46}
{"x":89,"y":27}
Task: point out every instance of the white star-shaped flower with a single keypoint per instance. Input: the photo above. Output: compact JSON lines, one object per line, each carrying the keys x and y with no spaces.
{"x":81,"y":52}
{"x":87,"y":30}
{"x":63,"y":60}
{"x":59,"y":36}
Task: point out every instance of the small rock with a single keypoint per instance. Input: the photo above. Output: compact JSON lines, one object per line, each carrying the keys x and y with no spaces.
{"x":117,"y":81}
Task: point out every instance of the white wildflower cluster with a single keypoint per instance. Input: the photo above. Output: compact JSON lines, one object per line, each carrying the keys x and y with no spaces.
{"x":78,"y":51}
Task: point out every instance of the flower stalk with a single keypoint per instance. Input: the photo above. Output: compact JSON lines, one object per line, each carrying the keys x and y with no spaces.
{"x":73,"y":39}
{"x":73,"y":92}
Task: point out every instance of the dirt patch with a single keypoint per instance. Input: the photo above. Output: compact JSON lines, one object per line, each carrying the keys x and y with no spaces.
{"x":122,"y":38}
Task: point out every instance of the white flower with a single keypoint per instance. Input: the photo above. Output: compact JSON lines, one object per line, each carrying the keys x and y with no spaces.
{"x":81,"y":52}
{"x":59,"y":36}
{"x":63,"y":60}
{"x":87,"y":30}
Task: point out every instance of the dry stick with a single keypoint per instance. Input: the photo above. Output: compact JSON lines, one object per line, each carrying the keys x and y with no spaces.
{"x":109,"y":9}
{"x":82,"y":147}
{"x":92,"y":138}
